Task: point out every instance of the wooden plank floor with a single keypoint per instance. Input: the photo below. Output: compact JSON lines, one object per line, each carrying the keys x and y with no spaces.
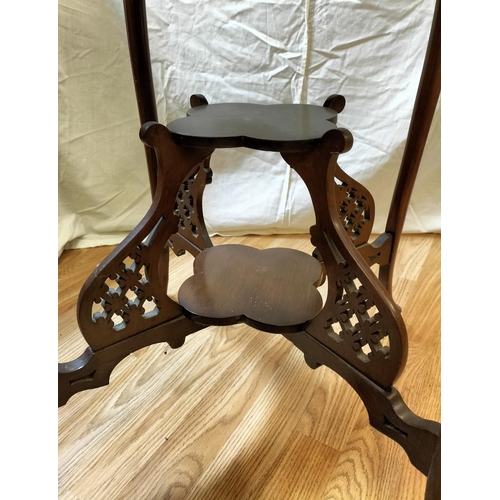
{"x":236,"y":413}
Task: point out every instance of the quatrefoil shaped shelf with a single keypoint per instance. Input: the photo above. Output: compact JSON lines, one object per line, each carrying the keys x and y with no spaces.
{"x":266,"y":127}
{"x":274,"y":290}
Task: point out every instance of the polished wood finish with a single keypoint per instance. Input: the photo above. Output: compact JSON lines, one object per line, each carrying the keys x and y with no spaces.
{"x":236,"y":413}
{"x":275,"y":127}
{"x":273,"y":290}
{"x":359,"y":322}
{"x":358,"y":330}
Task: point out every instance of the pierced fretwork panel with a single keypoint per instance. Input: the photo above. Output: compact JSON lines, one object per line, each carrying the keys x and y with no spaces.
{"x":357,"y":215}
{"x":191,"y":235}
{"x":357,"y":322}
{"x":356,"y":207}
{"x":127,"y":295}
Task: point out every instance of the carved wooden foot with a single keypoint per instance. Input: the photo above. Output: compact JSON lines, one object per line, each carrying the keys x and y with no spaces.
{"x":388,"y":413}
{"x":93,"y":369}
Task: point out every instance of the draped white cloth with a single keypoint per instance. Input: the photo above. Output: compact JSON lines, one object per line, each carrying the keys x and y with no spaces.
{"x":268,"y":51}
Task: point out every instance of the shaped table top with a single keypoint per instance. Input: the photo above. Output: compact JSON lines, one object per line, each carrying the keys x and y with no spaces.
{"x":267,"y":127}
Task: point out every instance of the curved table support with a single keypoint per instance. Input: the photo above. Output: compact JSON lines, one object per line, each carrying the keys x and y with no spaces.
{"x":192,"y":235}
{"x":138,"y":44}
{"x":360,"y":333}
{"x":359,"y":321}
{"x":124,"y":302}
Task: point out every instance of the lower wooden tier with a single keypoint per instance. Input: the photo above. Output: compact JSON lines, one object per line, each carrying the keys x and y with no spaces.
{"x":273,"y":290}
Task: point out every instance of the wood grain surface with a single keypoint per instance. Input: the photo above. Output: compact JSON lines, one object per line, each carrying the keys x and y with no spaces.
{"x":236,"y":413}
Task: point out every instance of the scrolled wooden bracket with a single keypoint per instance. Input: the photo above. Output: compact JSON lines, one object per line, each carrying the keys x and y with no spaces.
{"x":377,"y":252}
{"x":359,"y":320}
{"x":356,"y":207}
{"x":126,"y":294}
{"x":360,"y":333}
{"x":125,"y":298}
{"x":192,"y":234}
{"x":339,"y":140}
{"x":335,"y":102}
{"x":198,"y":100}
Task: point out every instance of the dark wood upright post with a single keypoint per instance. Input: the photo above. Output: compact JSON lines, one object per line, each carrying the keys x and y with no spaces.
{"x":423,"y":112}
{"x":138,"y":43}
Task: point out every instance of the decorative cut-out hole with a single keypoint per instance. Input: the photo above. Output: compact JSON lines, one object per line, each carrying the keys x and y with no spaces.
{"x":150,"y":308}
{"x":362,"y":352}
{"x":129,"y":262}
{"x":372,"y":311}
{"x":118,"y":322}
{"x":360,"y":203}
{"x":385,"y":342}
{"x":84,"y":379}
{"x":97,"y":310}
{"x":366,"y":349}
{"x":142,"y":275}
{"x":111,"y":283}
{"x":348,"y":321}
{"x":335,"y":332}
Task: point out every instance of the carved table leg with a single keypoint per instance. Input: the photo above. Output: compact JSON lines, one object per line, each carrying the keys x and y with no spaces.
{"x":93,"y":369}
{"x":360,"y":333}
{"x":123,"y":306}
{"x":387,"y":411}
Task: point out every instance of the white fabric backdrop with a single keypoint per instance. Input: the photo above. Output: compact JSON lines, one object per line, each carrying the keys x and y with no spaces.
{"x":268,"y":51}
